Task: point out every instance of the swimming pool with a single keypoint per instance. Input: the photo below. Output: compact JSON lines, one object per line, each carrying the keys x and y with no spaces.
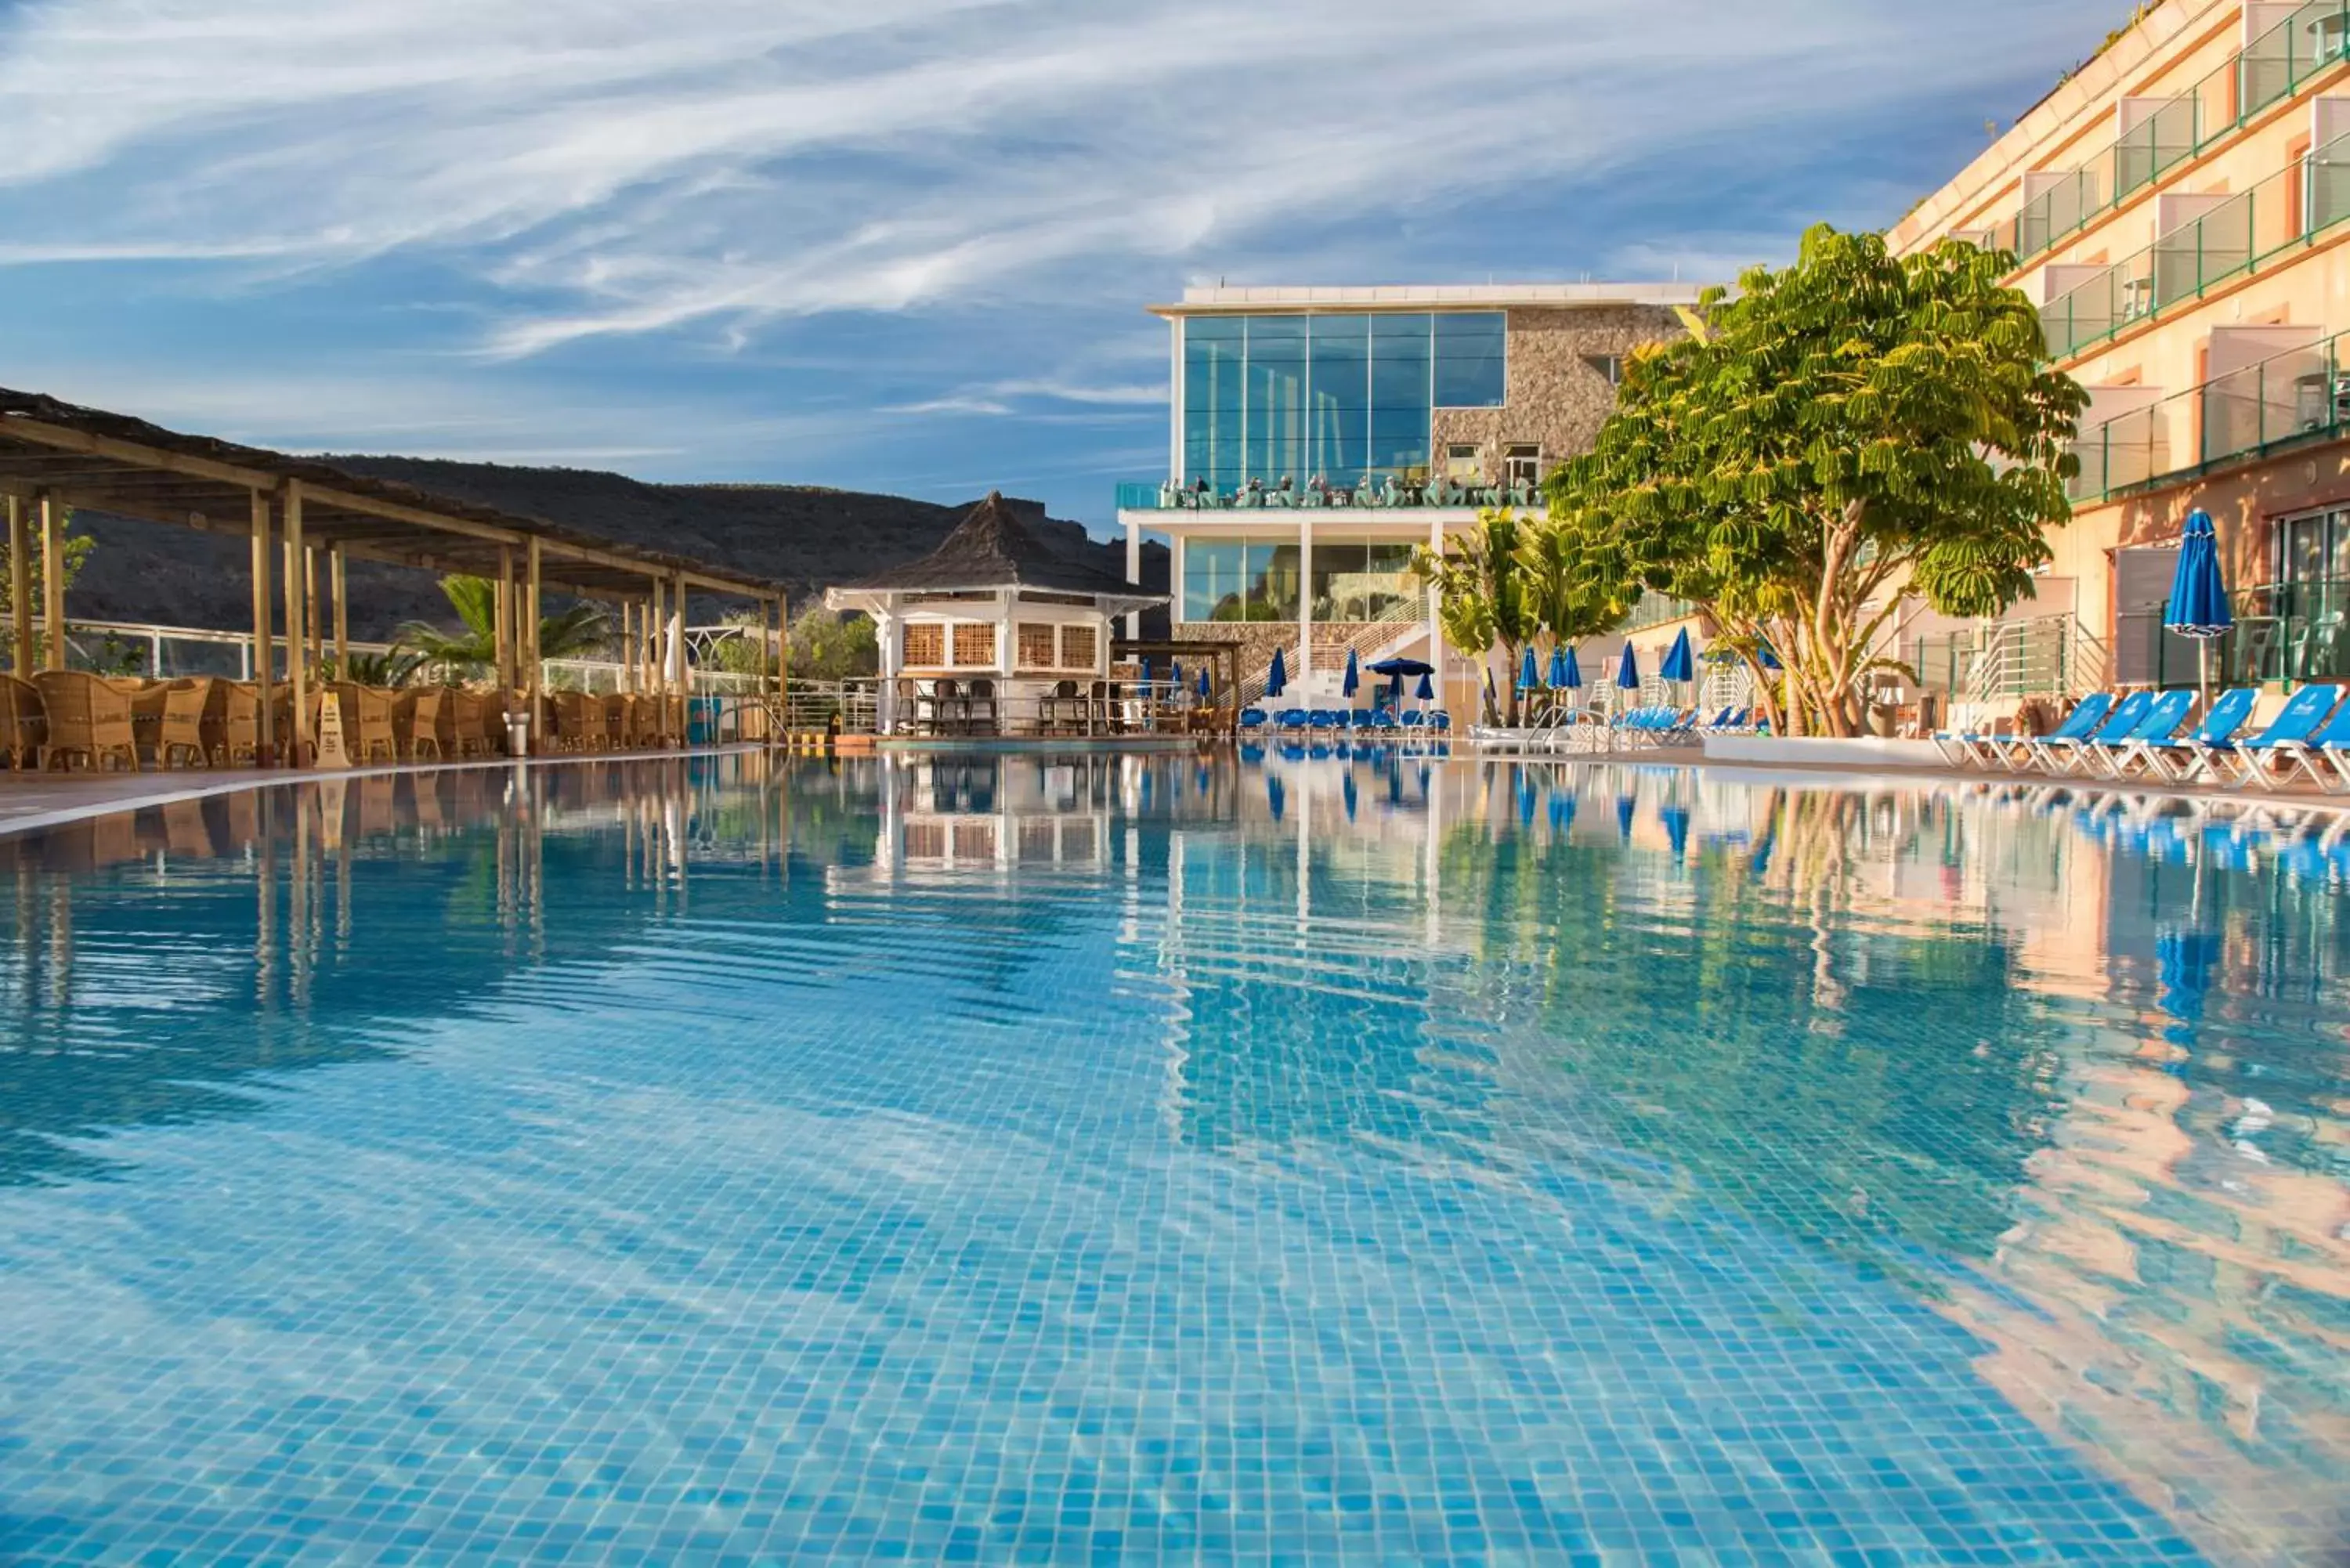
{"x":1324,"y":1158}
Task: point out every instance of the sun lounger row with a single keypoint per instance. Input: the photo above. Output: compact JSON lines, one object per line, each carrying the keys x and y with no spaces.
{"x":1339,"y":721}
{"x":2148,"y":735}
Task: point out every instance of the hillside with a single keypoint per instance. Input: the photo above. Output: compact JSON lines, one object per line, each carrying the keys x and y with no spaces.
{"x":810,"y":538}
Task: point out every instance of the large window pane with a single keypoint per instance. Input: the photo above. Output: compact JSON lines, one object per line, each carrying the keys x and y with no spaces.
{"x":1273,"y":581}
{"x":1276,"y":394}
{"x":1469,"y":349}
{"x":1399,"y":441}
{"x":1361,"y":582}
{"x":1342,"y":397}
{"x":1213,"y":352}
{"x":1212,"y":579}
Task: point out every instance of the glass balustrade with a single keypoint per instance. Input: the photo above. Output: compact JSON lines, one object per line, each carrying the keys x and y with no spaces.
{"x":2234,"y":236}
{"x":2277,"y":65}
{"x":2299,"y":394}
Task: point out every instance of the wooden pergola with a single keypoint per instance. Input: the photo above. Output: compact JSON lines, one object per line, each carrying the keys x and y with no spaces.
{"x":297,"y":511}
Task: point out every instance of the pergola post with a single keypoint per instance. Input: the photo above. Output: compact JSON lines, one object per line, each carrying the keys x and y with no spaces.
{"x":503,"y":627}
{"x":533,"y":665}
{"x":264,"y":658}
{"x":314,"y":616}
{"x":342,"y":615}
{"x":53,"y":580}
{"x":297,"y":625}
{"x":656,"y":667}
{"x":20,"y":588}
{"x":674,"y":654}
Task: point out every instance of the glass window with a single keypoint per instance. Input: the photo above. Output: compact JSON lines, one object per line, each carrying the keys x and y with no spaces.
{"x":1471,"y":353}
{"x":1521,"y":465}
{"x":1212,"y":579}
{"x":1272,"y":580}
{"x":1361,"y":582}
{"x":1276,"y":397}
{"x":1214,"y":350}
{"x":1035,"y":646}
{"x":1341,"y":386}
{"x":974,"y":645}
{"x":925,"y":646}
{"x":1079,"y":646}
{"x":1462,"y":464}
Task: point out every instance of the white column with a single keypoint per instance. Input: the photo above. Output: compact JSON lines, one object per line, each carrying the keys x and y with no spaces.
{"x":1305,"y":598}
{"x":1435,"y":629}
{"x":1134,"y":570}
{"x":885,"y":700}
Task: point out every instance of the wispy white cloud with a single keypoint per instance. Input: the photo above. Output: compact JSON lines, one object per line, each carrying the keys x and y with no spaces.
{"x":622,"y":169}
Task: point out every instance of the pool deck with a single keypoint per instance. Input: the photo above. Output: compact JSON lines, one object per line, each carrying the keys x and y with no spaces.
{"x":30,"y":801}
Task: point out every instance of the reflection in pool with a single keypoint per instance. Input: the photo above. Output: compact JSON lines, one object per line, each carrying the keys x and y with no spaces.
{"x":1355,"y":1156}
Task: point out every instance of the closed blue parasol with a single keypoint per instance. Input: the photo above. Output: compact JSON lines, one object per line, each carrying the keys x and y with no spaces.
{"x":1679,"y":663}
{"x":1767,"y":658}
{"x":1175,"y":676}
{"x":1627,"y":669}
{"x":1353,"y":679}
{"x":1555,"y":676}
{"x":1145,"y":681}
{"x":1426,"y":689}
{"x":2199,"y":595}
{"x":1528,"y":677}
{"x":1277,"y":680}
{"x":1207,"y":687}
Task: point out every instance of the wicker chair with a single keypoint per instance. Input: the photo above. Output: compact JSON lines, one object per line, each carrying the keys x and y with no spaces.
{"x":232,"y":728}
{"x":24,"y":723}
{"x":469,"y":714}
{"x":181,"y":736}
{"x":416,"y":722}
{"x":367,"y":719}
{"x":89,"y":718}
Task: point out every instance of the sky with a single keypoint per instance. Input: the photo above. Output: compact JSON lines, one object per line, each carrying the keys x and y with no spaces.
{"x":902,"y":245}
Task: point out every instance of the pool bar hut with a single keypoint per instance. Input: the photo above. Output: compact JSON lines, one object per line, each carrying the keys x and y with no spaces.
{"x":303,"y":520}
{"x":996,"y":633}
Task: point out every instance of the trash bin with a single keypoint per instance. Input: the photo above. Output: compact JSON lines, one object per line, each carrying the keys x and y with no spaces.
{"x":517,"y":735}
{"x":701,"y":720}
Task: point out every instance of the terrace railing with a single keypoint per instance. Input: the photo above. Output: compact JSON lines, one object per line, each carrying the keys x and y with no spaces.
{"x":2278,"y":64}
{"x":2297,"y":395}
{"x":1383,"y":490}
{"x":2238,"y":235}
{"x":2289,"y":632}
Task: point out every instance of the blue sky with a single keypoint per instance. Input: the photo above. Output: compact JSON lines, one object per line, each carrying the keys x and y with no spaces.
{"x":899,"y":244}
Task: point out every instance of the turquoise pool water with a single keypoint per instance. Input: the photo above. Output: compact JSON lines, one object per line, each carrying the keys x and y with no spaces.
{"x":1313,"y":1158}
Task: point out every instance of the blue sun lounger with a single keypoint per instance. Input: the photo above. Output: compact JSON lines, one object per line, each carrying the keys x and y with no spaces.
{"x":2055,"y":753}
{"x":2287,"y":741}
{"x":2177,"y":760}
{"x":1991,"y":749}
{"x":2164,"y":717}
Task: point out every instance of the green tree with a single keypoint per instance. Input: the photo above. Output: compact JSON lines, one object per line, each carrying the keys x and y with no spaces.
{"x":73,"y":551}
{"x":1482,"y":594}
{"x":1847,"y":430}
{"x":1567,"y":601}
{"x":576,"y":632}
{"x":828,"y":646}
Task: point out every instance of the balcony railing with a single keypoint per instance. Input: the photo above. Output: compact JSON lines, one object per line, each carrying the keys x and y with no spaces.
{"x":2302,"y":394}
{"x":2241,"y":234}
{"x":1378,"y":492}
{"x":2288,"y":632}
{"x":2276,"y":65}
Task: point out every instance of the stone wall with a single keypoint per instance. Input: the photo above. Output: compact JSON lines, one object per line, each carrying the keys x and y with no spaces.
{"x":1553,"y":398}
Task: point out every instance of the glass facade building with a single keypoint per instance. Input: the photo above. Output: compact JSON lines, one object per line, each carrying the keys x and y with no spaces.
{"x":1335,"y":397}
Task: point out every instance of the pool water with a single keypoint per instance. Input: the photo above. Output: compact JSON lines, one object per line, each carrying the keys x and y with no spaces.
{"x":1304,"y":1157}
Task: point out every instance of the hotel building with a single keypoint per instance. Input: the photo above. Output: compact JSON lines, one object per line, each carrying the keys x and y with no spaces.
{"x":1318,"y":434}
{"x":2179,"y":208}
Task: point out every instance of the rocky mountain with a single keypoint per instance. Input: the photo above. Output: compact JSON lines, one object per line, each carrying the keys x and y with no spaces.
{"x":808,"y":537}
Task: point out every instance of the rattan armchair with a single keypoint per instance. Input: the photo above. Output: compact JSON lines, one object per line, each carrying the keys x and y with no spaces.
{"x":24,"y":723}
{"x":89,"y":718}
{"x":233,"y":733}
{"x":180,"y":737}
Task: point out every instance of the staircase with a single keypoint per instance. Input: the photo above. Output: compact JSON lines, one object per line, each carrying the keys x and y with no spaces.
{"x":1369,"y":641}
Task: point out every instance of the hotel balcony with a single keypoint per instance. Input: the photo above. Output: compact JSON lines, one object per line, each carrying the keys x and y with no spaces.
{"x":1376,"y":492}
{"x":2159,"y":134}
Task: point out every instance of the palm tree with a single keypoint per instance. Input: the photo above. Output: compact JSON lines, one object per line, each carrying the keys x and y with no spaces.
{"x":568,"y":634}
{"x":395,"y":668}
{"x":1483,"y":595}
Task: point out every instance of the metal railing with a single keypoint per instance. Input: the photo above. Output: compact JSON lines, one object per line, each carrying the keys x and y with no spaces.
{"x":2299,"y":394}
{"x":2274,"y":67}
{"x":2041,"y":655}
{"x":2286,"y":211}
{"x":1379,"y":489}
{"x":2289,"y":632}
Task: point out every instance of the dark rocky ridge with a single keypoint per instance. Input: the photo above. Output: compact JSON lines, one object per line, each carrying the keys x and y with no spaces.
{"x":808,"y":537}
